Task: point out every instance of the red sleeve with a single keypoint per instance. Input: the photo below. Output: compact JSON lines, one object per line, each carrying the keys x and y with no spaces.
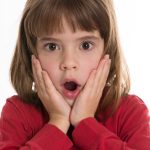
{"x":133,"y":131}
{"x":15,"y":133}
{"x":49,"y":137}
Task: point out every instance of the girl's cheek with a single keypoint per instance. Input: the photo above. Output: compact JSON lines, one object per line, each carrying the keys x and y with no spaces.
{"x":94,"y":64}
{"x":45,"y":62}
{"x":90,"y":67}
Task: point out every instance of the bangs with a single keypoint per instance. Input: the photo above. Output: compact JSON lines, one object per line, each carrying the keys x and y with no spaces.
{"x":46,"y":17}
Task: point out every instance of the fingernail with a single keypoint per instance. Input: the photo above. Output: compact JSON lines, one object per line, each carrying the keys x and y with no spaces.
{"x":32,"y":57}
{"x":106,"y":56}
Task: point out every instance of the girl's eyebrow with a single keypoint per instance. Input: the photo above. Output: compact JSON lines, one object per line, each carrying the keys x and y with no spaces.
{"x":48,"y":39}
{"x":88,"y":37}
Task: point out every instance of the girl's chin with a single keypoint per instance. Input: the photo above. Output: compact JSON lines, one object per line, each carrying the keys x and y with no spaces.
{"x":70,"y":95}
{"x":70,"y":102}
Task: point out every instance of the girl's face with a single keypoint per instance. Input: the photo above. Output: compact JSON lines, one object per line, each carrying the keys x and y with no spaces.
{"x":69,"y":57}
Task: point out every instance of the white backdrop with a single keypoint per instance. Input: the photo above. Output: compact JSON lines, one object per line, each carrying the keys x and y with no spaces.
{"x":134,"y":26}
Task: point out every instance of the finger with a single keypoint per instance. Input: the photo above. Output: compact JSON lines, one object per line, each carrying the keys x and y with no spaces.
{"x":33,"y":69}
{"x":48,"y":83}
{"x":94,"y":76}
{"x":103,"y":75}
{"x":105,"y":72}
{"x":54,"y":96}
{"x":100,"y":77}
{"x":90,"y":82}
{"x":37,"y":71}
{"x":101,"y":65}
{"x":49,"y":86}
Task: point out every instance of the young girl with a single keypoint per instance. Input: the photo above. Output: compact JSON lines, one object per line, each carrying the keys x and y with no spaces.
{"x":72,"y":82}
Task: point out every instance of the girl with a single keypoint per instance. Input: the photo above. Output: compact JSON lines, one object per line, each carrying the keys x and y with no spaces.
{"x":72,"y":82}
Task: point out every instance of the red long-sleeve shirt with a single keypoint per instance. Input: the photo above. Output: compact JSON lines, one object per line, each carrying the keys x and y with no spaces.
{"x":24,"y":127}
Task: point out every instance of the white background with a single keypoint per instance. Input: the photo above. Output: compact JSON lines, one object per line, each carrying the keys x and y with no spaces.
{"x":134,"y":27}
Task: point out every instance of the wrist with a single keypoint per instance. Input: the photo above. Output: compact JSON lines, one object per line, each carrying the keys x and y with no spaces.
{"x":75,"y":122}
{"x":62,"y":124}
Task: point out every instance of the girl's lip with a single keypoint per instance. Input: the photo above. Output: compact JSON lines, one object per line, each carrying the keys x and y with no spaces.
{"x":72,"y":95}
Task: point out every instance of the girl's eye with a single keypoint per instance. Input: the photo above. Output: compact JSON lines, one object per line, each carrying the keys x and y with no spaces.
{"x":87,"y":45}
{"x":52,"y":46}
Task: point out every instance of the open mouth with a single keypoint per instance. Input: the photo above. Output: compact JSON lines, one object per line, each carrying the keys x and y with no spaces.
{"x":71,"y":85}
{"x":71,"y":89}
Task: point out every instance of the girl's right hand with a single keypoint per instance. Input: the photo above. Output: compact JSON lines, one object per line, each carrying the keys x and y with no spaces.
{"x":53,"y":101}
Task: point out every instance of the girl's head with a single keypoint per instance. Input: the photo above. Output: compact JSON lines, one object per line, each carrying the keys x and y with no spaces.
{"x":69,"y":37}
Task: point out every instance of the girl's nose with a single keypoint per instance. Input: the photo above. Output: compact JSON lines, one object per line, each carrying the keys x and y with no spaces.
{"x":68,"y":62}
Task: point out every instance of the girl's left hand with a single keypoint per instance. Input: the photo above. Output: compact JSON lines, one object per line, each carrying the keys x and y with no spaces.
{"x":86,"y":103}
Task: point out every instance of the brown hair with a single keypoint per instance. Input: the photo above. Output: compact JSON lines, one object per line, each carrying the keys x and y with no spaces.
{"x":45,"y":16}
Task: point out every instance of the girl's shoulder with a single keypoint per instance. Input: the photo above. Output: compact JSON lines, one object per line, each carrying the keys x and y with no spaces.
{"x":132,"y":101}
{"x":16,"y":108}
{"x":129,"y":106}
{"x":17,"y":103}
{"x":131,"y":112}
{"x":21,"y":120}
{"x":132,"y":106}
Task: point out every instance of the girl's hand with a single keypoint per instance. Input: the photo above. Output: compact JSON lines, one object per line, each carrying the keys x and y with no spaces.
{"x":52,"y":100}
{"x":86,"y":103}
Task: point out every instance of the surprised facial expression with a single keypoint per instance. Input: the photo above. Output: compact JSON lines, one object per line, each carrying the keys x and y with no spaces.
{"x":69,"y":57}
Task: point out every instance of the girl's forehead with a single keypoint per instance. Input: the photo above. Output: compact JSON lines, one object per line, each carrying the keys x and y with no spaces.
{"x":66,"y":26}
{"x":68,"y":35}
